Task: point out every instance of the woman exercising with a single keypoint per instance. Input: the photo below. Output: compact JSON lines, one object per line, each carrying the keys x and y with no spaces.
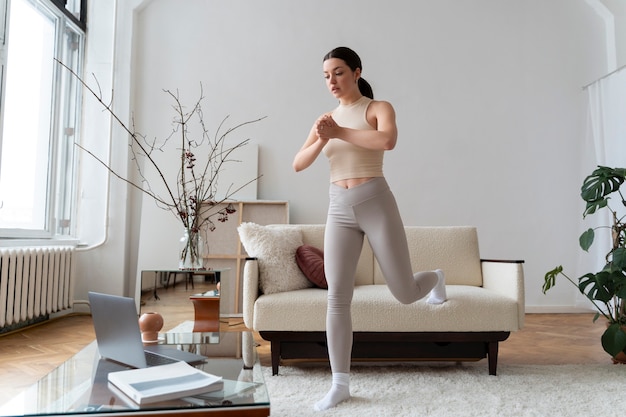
{"x":354,"y":137}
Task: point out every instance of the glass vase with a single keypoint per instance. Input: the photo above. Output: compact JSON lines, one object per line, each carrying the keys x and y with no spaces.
{"x":191,"y":252}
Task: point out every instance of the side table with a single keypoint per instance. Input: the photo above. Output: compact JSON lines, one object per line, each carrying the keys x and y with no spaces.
{"x":164,"y":276}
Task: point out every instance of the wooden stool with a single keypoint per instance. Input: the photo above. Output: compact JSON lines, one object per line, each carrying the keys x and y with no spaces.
{"x":207,"y":312}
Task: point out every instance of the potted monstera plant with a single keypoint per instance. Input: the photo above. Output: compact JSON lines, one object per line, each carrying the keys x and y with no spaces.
{"x":606,"y":289}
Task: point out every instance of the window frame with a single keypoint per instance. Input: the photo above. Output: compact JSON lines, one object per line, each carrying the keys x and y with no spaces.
{"x":65,"y":110}
{"x":64,"y":7}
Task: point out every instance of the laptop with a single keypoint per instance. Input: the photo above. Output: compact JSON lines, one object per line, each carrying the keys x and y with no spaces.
{"x":116,"y":325}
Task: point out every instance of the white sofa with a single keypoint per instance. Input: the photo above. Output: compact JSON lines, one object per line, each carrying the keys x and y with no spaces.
{"x":485,"y":298}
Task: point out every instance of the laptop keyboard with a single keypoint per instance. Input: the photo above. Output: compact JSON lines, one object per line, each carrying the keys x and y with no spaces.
{"x":154,"y":359}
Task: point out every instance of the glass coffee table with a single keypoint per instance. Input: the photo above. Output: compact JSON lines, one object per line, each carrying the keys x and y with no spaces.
{"x":79,"y":386}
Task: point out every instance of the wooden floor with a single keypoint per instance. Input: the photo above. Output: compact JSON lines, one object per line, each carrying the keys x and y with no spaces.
{"x":27,"y":355}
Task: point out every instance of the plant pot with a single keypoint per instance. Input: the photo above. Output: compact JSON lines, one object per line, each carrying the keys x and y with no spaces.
{"x":619,"y":358}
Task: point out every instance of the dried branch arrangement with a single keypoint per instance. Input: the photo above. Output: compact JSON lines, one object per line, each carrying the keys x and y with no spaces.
{"x":192,"y":195}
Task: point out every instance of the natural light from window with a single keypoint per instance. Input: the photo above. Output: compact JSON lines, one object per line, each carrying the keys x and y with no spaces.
{"x":27,"y":118}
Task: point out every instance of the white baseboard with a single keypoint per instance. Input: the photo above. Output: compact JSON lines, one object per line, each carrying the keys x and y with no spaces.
{"x":557,"y":310}
{"x":231,"y":315}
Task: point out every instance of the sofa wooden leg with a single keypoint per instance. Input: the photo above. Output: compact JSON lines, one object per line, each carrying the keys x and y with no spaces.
{"x":492,"y":357}
{"x":275,"y":348}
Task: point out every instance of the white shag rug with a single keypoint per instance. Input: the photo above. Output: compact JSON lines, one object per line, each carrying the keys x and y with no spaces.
{"x":453,"y":390}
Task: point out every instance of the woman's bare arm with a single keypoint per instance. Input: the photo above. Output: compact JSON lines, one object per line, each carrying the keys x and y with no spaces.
{"x":311,"y":148}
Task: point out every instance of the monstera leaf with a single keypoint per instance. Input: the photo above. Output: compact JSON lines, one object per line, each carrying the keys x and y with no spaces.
{"x":597,"y":286}
{"x":614,"y":339}
{"x":586,"y":239}
{"x":602,"y":182}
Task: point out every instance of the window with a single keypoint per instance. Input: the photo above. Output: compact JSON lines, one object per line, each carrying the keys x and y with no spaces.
{"x":39,"y":116}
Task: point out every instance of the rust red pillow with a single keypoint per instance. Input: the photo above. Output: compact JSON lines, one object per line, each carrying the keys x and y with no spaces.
{"x":311,"y":262}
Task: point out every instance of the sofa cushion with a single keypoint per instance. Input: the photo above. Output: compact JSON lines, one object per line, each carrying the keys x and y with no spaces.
{"x":275,"y":247}
{"x":374,"y":309}
{"x":313,"y":234}
{"x":311,"y":262}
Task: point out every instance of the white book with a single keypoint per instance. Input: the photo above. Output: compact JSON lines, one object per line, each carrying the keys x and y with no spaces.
{"x":164,"y":382}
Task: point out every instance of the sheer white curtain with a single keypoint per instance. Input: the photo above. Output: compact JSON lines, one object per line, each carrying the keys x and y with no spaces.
{"x":607,"y":118}
{"x":606,"y":130}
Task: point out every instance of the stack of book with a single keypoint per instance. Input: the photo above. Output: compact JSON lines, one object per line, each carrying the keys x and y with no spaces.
{"x":164,"y":382}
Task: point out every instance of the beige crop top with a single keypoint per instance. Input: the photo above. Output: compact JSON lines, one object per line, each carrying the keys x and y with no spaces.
{"x":348,"y":160}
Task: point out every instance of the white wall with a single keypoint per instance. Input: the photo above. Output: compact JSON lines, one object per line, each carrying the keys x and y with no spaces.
{"x":487,"y":93}
{"x":102,"y":201}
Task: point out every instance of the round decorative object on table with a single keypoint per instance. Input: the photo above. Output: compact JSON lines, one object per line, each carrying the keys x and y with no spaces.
{"x":150,"y":324}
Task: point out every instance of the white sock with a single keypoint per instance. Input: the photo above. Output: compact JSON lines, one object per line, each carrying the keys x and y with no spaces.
{"x":438,"y":294}
{"x":339,"y":392}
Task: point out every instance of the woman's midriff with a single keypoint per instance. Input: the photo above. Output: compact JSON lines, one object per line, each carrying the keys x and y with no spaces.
{"x":351,"y":182}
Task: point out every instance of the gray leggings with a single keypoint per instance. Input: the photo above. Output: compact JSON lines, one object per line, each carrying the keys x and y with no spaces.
{"x":367,"y":209}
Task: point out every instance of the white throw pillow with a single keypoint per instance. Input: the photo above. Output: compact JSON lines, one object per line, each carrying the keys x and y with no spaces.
{"x":275,"y":247}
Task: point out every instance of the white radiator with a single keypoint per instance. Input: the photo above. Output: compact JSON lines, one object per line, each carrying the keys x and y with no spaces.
{"x":34,"y":282}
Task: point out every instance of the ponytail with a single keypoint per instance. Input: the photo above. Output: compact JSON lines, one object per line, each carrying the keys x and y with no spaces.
{"x":365,"y":88}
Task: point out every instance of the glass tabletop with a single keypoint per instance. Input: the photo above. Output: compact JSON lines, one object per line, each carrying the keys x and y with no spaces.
{"x":80,"y":386}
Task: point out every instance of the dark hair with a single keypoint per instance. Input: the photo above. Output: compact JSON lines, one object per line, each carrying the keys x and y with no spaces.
{"x":353,"y":61}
